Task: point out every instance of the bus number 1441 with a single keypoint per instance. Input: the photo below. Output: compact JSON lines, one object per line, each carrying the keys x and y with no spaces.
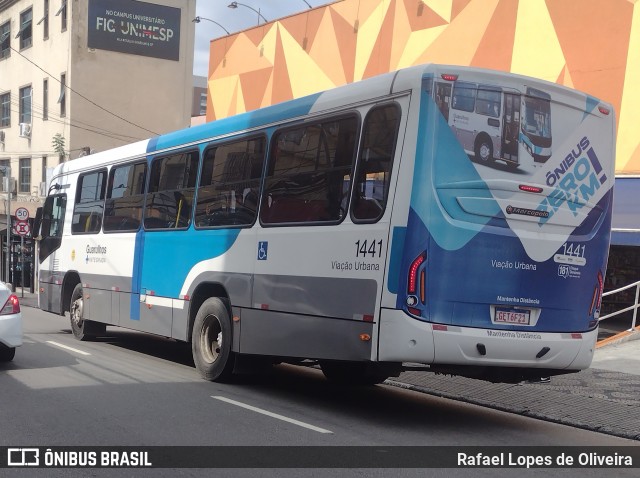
{"x":368,"y":248}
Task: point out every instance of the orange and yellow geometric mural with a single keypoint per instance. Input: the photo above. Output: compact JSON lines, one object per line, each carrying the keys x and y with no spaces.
{"x":590,"y":45}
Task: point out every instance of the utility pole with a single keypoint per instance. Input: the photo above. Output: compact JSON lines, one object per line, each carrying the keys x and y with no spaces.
{"x":7,"y":171}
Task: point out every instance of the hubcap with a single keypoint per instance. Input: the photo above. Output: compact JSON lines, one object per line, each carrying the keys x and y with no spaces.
{"x":76,"y":311}
{"x":484,"y":152}
{"x":211,"y":339}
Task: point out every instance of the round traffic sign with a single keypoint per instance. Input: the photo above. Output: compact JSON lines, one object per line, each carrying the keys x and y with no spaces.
{"x":22,"y":228}
{"x":22,"y":214}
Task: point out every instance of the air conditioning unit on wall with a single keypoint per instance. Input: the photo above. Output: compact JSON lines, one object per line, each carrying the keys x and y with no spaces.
{"x":25,"y":130}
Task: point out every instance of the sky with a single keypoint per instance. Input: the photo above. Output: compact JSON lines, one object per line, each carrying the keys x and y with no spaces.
{"x":238,"y":19}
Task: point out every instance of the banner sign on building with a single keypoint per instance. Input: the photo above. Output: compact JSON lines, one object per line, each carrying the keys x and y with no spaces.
{"x":138,"y":28}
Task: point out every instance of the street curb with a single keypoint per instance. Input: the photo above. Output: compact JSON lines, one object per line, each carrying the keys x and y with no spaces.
{"x":620,"y":338}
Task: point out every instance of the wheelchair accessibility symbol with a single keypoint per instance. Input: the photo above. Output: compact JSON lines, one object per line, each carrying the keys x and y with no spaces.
{"x":263,"y":246}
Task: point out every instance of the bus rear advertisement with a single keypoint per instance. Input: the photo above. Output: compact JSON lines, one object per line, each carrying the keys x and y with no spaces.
{"x":434,"y":215}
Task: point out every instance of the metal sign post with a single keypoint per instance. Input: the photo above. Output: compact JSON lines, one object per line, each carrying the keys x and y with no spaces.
{"x":22,"y":228}
{"x":7,"y":174}
{"x":22,"y":265}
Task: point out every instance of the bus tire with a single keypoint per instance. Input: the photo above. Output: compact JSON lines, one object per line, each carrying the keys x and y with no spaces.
{"x":82,"y":329}
{"x":211,"y":340}
{"x":484,"y":149}
{"x":7,"y":353}
{"x":353,"y":373}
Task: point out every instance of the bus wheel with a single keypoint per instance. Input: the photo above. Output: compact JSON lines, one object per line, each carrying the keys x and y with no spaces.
{"x":7,"y":353}
{"x":82,"y":329}
{"x":353,"y":373}
{"x":211,"y":341}
{"x":484,"y":149}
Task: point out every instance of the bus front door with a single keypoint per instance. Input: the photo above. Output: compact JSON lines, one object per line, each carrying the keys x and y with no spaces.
{"x":511,"y":127}
{"x":443,"y":98}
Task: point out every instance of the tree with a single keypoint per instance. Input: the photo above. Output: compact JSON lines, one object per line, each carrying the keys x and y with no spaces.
{"x":58,"y":146}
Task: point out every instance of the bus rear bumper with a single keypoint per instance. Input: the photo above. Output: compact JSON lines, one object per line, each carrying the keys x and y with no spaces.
{"x":403,"y":338}
{"x":506,"y":348}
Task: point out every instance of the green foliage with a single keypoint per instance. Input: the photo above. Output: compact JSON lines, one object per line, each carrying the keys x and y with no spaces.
{"x":58,"y":145}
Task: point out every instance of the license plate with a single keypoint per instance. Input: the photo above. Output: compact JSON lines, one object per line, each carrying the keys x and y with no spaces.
{"x":512,"y":316}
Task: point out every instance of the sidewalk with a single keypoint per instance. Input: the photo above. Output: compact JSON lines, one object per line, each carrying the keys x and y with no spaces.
{"x":603,"y":398}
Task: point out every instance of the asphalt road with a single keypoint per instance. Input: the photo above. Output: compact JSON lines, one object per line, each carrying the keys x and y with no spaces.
{"x":132,"y":389}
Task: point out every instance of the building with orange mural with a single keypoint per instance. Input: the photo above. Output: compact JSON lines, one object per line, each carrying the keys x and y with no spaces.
{"x":590,"y":45}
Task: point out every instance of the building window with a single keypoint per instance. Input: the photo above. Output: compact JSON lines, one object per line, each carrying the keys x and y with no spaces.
{"x":203,"y":103}
{"x":63,"y":15}
{"x":45,"y":99}
{"x":44,"y":169}
{"x":5,"y":110}
{"x":4,"y":179}
{"x":25,"y":175}
{"x":5,"y":40}
{"x":63,"y":94}
{"x":25,"y":105}
{"x":26,"y":30}
{"x":45,"y":21}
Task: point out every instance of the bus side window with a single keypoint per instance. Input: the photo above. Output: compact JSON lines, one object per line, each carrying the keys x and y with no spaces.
{"x":125,"y":197}
{"x":488,"y":102}
{"x":375,"y":161}
{"x":53,"y":216}
{"x":464,"y":96}
{"x":171,"y":191}
{"x":309,"y":173}
{"x":229,"y":184}
{"x":89,"y":204}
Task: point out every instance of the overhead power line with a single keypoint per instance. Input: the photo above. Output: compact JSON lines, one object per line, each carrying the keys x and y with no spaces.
{"x":37,"y":112}
{"x":82,"y":96}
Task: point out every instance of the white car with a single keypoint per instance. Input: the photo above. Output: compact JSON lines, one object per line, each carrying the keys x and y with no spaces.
{"x":10,"y":324}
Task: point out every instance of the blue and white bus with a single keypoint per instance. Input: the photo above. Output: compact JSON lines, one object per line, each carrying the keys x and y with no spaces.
{"x":495,"y":122}
{"x":347,"y":228}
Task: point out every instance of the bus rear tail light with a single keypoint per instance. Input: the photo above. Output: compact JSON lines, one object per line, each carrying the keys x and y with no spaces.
{"x":412,"y":284}
{"x":11,"y":306}
{"x":416,"y":285}
{"x":449,"y":77}
{"x":604,"y":110}
{"x":596,"y":298}
{"x":530,"y":189}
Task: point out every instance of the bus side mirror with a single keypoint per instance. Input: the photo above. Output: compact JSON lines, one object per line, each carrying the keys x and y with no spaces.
{"x":37,"y":222}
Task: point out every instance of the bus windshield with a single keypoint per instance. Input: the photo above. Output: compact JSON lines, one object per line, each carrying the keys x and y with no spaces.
{"x":537,"y":114}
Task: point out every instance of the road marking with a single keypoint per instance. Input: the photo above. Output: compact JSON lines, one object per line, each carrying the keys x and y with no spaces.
{"x":67,"y":347}
{"x":271,"y":414}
